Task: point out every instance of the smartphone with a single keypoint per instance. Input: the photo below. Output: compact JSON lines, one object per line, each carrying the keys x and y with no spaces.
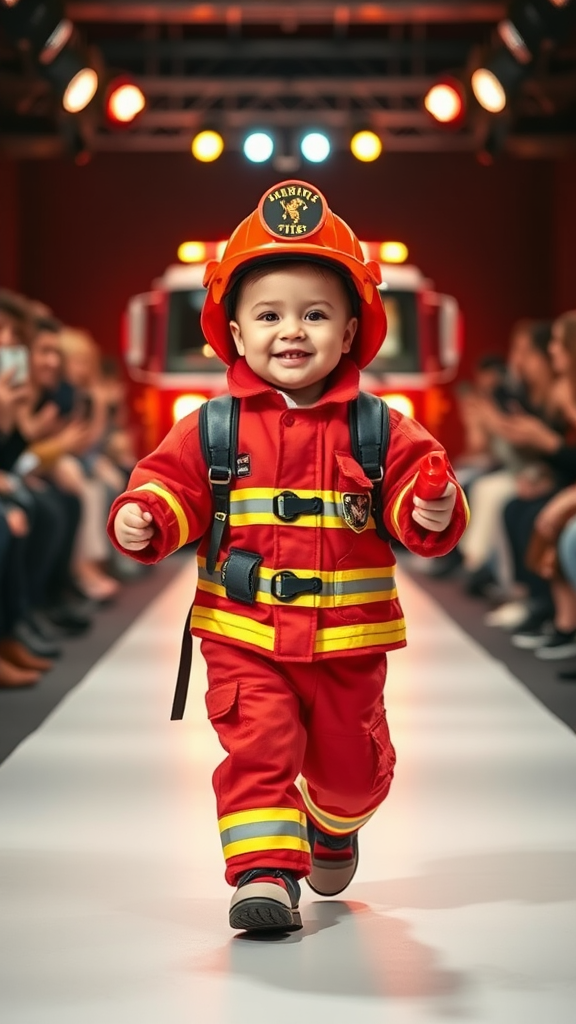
{"x":15,"y":358}
{"x":84,"y":407}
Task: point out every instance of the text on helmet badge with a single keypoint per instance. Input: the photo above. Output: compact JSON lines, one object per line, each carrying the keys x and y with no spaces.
{"x":292,"y":209}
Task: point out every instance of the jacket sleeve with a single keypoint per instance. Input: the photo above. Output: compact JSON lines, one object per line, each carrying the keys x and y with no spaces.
{"x":408,"y":444}
{"x":172,"y":484}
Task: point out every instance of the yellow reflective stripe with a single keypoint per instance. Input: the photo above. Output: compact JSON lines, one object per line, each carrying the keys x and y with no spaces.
{"x":261,"y":814}
{"x":239,"y":627}
{"x":370,"y":634}
{"x":173,"y":504}
{"x":266,"y":843}
{"x":269,"y":519}
{"x":255,"y":493}
{"x":309,"y":600}
{"x":332,"y":822}
{"x":398,"y":503}
{"x":265,"y":518}
{"x":344,"y":575}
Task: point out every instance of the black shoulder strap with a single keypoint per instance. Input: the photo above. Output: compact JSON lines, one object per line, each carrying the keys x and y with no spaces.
{"x":218,"y":437}
{"x":369,"y":419}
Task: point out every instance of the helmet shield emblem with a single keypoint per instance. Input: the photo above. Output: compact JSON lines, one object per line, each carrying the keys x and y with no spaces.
{"x":294,"y":210}
{"x":356,"y":510}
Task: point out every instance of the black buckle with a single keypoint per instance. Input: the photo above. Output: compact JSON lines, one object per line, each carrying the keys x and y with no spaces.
{"x":286,"y":585}
{"x":288,"y":506}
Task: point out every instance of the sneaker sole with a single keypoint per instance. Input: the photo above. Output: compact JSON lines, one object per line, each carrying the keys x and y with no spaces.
{"x":258,"y":914}
{"x":528,"y":643}
{"x":551,"y":653}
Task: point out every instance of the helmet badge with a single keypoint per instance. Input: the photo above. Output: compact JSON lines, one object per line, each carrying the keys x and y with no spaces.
{"x":292,"y":210}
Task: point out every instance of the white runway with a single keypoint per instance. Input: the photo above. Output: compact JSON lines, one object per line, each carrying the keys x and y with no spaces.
{"x":113,"y":909}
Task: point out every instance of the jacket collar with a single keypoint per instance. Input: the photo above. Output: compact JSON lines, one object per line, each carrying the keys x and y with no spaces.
{"x":342,"y":385}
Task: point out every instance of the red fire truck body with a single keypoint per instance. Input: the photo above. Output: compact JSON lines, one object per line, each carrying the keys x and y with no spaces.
{"x":172,"y":370}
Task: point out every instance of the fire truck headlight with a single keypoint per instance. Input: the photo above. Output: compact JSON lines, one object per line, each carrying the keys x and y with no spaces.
{"x":186,"y":404}
{"x":401,"y":403}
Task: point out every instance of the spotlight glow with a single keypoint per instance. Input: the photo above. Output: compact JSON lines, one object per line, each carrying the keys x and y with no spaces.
{"x":488,"y":90}
{"x":207,"y":146}
{"x":258,"y":147}
{"x":365,"y":146}
{"x":125,"y":101}
{"x":80,"y":90}
{"x":315,"y":147}
{"x":444,"y":103}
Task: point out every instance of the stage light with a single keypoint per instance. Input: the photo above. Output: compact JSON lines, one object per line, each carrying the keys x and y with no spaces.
{"x":124,"y":101}
{"x":258,"y":147}
{"x":366,"y":146}
{"x":497,"y":81}
{"x":192,"y":252}
{"x":393,"y":252}
{"x":445,"y":102}
{"x":315,"y":147}
{"x":207,"y":146}
{"x":80,"y":90}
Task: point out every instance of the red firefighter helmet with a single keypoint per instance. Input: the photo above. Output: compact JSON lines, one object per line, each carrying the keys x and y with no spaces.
{"x":293,"y":220}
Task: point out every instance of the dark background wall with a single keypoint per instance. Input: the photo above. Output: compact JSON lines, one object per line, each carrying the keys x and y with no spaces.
{"x":83,"y":239}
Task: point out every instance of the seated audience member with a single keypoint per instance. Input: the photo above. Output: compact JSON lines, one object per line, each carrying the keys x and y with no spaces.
{"x":89,"y":473}
{"x":543,"y":558}
{"x":53,"y":514}
{"x":556,"y":448}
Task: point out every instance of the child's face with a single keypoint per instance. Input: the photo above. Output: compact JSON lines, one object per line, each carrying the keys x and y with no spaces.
{"x":293,"y":325}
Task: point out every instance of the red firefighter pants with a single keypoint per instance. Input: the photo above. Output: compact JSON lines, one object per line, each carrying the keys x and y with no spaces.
{"x":323,"y":720}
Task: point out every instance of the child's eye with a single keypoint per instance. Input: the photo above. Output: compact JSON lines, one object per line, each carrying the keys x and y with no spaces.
{"x":316,"y":314}
{"x":268,"y":317}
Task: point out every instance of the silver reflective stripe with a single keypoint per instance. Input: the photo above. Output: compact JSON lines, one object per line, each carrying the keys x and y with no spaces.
{"x":262,"y":829}
{"x":255,"y":506}
{"x":330,"y":588}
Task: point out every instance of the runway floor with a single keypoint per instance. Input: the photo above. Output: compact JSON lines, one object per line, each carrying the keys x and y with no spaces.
{"x":112,"y":903}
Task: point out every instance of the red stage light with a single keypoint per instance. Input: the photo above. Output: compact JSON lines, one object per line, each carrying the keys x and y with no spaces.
{"x":124,"y":101}
{"x":445,"y":102}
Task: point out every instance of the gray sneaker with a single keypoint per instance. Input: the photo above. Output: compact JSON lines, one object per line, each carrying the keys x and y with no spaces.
{"x":334,"y":861}
{"x":266,"y":900}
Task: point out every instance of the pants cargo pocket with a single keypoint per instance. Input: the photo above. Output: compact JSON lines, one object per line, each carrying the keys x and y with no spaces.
{"x":384,"y":757}
{"x":223,"y":709}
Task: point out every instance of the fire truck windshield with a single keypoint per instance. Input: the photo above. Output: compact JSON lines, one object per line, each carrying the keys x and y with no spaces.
{"x":399,"y":353}
{"x":187,"y":349}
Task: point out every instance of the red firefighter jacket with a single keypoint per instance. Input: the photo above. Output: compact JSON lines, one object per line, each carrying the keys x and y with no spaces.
{"x":308,"y":452}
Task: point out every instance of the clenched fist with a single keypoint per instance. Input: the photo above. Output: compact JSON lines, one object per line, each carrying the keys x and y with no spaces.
{"x":133,"y":527}
{"x":435,"y":514}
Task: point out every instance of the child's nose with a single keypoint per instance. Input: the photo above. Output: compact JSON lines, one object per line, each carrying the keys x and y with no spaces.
{"x":292,"y":327}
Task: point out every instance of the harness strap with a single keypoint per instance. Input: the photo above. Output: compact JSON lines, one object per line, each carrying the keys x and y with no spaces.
{"x":184,"y":669}
{"x":369,"y":419}
{"x":218,"y":436}
{"x":369,"y":431}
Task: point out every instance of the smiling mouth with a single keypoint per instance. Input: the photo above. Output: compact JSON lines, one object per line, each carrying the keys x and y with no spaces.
{"x":292,"y":354}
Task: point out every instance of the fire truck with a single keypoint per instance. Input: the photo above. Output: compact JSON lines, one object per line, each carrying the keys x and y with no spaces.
{"x":172,"y":370}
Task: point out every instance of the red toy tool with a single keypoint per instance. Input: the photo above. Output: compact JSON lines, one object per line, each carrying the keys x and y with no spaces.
{"x":432,"y":476}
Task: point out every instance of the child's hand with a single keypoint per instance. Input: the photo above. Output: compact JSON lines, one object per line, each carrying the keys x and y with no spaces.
{"x":133,"y":527}
{"x":435,"y":514}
